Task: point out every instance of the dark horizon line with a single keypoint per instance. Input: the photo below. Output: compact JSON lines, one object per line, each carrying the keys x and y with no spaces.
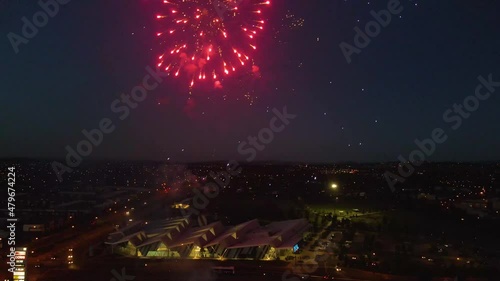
{"x":87,"y":161}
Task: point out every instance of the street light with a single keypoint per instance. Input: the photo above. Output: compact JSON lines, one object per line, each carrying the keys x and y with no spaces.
{"x":334,"y":186}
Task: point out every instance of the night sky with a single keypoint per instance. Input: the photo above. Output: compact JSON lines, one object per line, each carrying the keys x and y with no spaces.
{"x":395,"y":91}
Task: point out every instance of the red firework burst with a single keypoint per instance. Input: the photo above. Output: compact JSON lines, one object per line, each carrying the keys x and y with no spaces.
{"x":206,"y":40}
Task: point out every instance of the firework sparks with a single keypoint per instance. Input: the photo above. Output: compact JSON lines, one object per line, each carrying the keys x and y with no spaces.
{"x":208,"y":40}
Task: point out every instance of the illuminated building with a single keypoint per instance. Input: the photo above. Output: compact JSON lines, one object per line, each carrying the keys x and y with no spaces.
{"x":176,"y":238}
{"x":20,"y":267}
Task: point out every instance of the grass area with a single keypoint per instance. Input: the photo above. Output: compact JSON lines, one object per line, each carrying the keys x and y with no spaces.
{"x":370,"y":219}
{"x":348,"y":205}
